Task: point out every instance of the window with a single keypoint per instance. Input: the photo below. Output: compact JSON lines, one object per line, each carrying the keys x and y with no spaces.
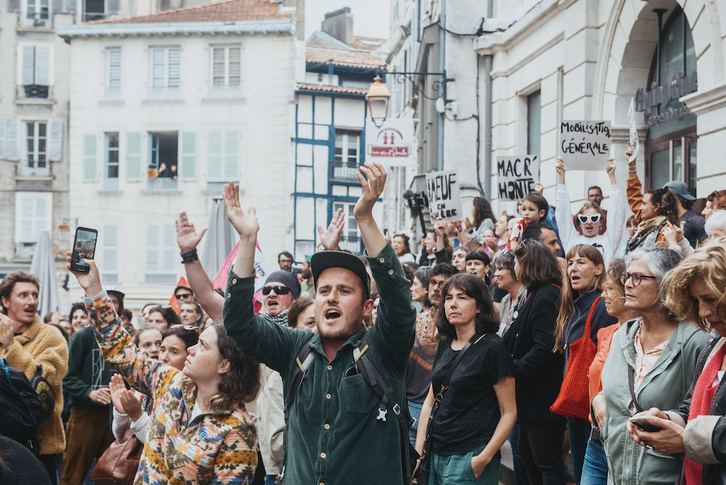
{"x":36,"y":71}
{"x":349,"y":238}
{"x":38,"y":12}
{"x":108,"y":252}
{"x":94,"y":10}
{"x":36,"y":147}
{"x":162,"y":253}
{"x":33,"y":215}
{"x":346,"y":146}
{"x":222,"y":156}
{"x":112,"y":165}
{"x":534,"y":123}
{"x":114,"y":69}
{"x":165,"y":68}
{"x":226,"y":66}
{"x":163,"y":157}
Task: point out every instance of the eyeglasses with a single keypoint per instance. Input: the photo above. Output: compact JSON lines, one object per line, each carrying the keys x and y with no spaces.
{"x":637,"y":278}
{"x":183,"y":296}
{"x":279,"y":290}
{"x":185,"y":327}
{"x":593,"y":218}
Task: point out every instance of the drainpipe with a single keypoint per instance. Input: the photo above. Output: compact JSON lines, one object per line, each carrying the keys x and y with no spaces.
{"x":488,"y":61}
{"x":442,"y":68}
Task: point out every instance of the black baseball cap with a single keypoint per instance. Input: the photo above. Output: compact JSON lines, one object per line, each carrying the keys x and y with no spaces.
{"x":323,"y":260}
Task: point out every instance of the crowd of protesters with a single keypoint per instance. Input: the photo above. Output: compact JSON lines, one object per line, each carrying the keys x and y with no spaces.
{"x":590,"y":336}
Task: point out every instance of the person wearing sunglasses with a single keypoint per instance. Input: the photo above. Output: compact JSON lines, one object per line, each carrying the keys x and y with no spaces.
{"x":280,"y":291}
{"x":590,"y":217}
{"x":651,"y":364}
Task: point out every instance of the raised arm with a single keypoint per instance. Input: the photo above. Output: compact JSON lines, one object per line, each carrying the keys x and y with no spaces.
{"x":372,"y":185}
{"x":257,"y":336}
{"x":395,"y":323}
{"x":616,"y":214}
{"x":141,"y":371}
{"x":188,"y":240}
{"x":635,"y":188}
{"x":567,"y":230}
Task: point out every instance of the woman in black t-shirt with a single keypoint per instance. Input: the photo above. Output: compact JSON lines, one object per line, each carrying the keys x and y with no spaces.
{"x":478,"y":409}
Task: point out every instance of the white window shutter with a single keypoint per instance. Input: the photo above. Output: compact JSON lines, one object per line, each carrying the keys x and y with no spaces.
{"x":3,"y":139}
{"x":69,"y":6}
{"x":57,"y":6}
{"x":134,"y":167}
{"x":169,"y":248}
{"x":231,"y":156}
{"x":152,"y":248}
{"x":188,"y":158}
{"x":90,"y":157}
{"x":55,"y":140}
{"x":214,"y":156}
{"x":42,"y":65}
{"x":114,"y":69}
{"x":28,"y":65}
{"x":113,"y":6}
{"x":13,"y":5}
{"x":12,"y":143}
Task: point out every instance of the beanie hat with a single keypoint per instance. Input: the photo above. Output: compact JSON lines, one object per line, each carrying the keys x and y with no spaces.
{"x":287,"y":279}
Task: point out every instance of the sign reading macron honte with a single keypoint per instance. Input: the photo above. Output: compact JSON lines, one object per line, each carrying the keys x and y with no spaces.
{"x":516,"y":176}
{"x":444,"y":195}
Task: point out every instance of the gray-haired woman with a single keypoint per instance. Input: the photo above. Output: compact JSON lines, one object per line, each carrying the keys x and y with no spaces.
{"x":651,"y":364}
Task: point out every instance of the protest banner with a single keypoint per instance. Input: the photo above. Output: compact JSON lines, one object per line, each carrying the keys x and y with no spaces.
{"x":584,"y":145}
{"x":392,"y":143}
{"x":516,"y":176}
{"x":444,"y":195}
{"x":634,"y":141}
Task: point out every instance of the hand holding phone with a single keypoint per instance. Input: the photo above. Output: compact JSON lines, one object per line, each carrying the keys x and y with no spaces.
{"x":642,"y":423}
{"x":84,"y":247}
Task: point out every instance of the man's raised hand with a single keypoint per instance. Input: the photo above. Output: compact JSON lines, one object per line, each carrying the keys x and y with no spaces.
{"x":330,"y":238}
{"x":246,"y":225}
{"x":186,"y":236}
{"x":372,"y":184}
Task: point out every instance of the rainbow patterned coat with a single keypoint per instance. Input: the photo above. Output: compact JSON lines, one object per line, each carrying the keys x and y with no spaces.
{"x":214,"y":448}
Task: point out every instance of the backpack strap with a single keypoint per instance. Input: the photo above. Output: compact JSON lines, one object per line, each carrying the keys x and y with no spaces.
{"x":366,"y":366}
{"x":303,"y":362}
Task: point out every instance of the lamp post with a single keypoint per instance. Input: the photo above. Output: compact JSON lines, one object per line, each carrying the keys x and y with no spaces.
{"x":377,"y":99}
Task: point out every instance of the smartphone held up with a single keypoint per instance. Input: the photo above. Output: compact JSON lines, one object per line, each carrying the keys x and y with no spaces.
{"x":84,"y":247}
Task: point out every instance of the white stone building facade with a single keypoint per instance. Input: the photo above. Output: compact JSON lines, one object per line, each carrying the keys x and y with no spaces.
{"x":200,"y":103}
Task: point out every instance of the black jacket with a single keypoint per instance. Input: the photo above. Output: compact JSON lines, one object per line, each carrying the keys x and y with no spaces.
{"x":537,"y":369}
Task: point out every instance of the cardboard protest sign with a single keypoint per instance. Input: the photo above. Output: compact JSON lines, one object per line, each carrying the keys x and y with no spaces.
{"x":634,"y":141}
{"x":516,"y":176}
{"x":444,"y":195}
{"x":392,"y":143}
{"x":584,"y":145}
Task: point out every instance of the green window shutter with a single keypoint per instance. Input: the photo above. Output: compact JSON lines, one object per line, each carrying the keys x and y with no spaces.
{"x":188,"y":158}
{"x":134,"y":167}
{"x":214,"y":156}
{"x":90,"y":157}
{"x":231,"y":156}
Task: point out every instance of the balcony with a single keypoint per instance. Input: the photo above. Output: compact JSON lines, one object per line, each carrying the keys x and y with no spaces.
{"x":36,"y":91}
{"x":343,"y":172}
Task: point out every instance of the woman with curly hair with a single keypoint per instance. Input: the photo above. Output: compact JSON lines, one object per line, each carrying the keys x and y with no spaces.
{"x":200,"y":431}
{"x":478,"y":410}
{"x":163,"y":317}
{"x":694,"y":292}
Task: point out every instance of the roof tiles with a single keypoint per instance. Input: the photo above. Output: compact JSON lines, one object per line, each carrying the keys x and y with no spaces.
{"x":340,"y":57}
{"x":219,"y":12}
{"x":331,"y":89}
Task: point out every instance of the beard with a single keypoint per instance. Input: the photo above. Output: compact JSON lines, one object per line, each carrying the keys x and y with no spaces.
{"x":346,"y":327}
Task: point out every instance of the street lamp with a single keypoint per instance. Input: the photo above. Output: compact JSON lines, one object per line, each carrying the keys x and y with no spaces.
{"x":377,"y":99}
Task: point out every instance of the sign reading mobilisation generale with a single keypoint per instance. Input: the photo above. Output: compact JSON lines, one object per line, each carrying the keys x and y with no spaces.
{"x":584,"y":145}
{"x":516,"y":176}
{"x":444,"y":195}
{"x":392,"y":143}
